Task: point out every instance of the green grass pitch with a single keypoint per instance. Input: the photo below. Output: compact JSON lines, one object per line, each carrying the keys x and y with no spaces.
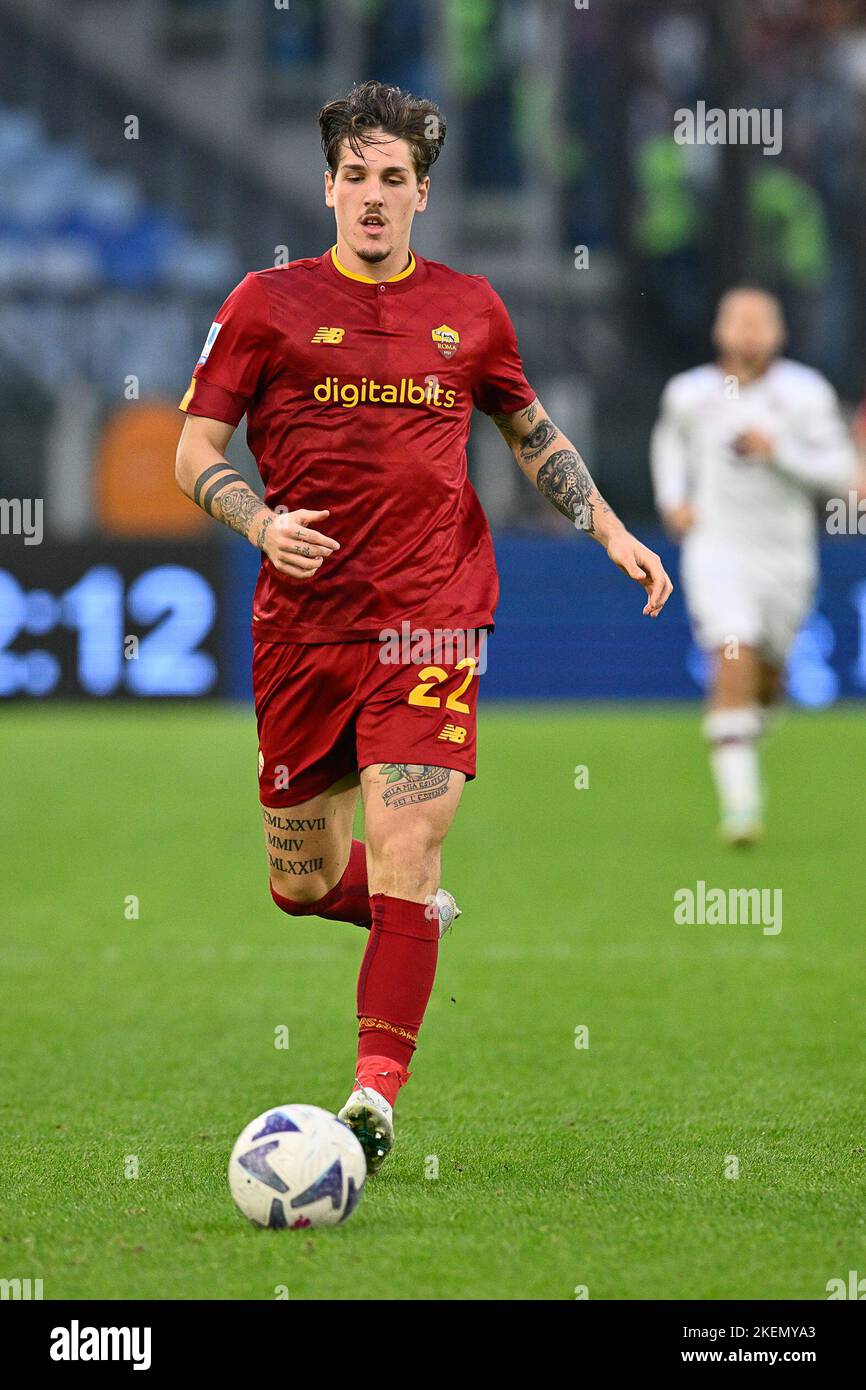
{"x":558,"y":1166}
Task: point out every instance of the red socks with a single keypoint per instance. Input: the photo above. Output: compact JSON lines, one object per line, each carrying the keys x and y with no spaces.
{"x":394,"y":986}
{"x":348,"y":900}
{"x":380,"y":1074}
{"x":397,"y":971}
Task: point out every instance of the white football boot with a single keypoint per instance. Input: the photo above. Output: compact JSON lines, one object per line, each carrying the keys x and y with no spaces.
{"x":371,"y":1119}
{"x":448,"y":910}
{"x":741,"y":832}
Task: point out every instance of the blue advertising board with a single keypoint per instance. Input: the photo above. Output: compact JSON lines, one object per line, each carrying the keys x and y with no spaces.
{"x":569,"y":626}
{"x":148,"y":620}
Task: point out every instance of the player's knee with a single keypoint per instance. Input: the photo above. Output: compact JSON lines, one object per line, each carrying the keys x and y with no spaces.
{"x":296,"y":894}
{"x":407,"y":866}
{"x":405,"y":845}
{"x":408,"y":832}
{"x":736,"y":678}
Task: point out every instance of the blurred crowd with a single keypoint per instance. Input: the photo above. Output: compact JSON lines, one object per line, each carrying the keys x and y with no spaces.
{"x":573,"y":103}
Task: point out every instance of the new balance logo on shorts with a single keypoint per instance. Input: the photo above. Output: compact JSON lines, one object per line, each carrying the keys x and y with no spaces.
{"x":453,"y":733}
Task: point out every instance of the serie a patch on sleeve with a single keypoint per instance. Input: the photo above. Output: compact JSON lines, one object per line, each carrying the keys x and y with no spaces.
{"x":209,"y":342}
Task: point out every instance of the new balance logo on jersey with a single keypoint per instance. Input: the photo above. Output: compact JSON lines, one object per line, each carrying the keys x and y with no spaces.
{"x":328,"y":335}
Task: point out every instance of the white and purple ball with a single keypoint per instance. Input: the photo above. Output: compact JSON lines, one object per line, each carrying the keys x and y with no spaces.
{"x":297,"y":1166}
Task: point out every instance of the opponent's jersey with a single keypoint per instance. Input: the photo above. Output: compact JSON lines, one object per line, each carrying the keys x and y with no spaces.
{"x":358,"y":399}
{"x":765,"y":508}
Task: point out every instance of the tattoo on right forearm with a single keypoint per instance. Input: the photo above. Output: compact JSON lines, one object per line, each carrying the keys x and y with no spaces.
{"x":221,"y":492}
{"x":238,"y":509}
{"x":221,"y":471}
{"x":263,"y":530}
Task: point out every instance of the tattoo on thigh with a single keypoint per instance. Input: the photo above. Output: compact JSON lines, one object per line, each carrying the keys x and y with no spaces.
{"x":287,"y":842}
{"x":280,"y":822}
{"x":297,"y":867}
{"x":291,"y":840}
{"x":408,"y":784}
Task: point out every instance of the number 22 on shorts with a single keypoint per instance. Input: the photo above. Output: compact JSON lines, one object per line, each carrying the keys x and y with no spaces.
{"x":434,"y":675}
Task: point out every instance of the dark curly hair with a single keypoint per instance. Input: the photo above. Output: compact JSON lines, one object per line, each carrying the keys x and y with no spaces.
{"x":377,"y":106}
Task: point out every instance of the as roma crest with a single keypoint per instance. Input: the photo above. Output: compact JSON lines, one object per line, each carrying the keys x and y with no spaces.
{"x":446,"y":339}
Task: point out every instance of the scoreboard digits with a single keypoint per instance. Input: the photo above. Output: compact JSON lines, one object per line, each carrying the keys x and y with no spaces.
{"x":117,"y":629}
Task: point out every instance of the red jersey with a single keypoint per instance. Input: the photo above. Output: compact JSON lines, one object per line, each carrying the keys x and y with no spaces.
{"x":358,"y":399}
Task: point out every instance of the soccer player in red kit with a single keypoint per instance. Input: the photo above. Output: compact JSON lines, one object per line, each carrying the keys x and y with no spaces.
{"x":357,"y":371}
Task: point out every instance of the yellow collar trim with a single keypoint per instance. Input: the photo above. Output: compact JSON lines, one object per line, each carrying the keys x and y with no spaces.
{"x":368,"y":279}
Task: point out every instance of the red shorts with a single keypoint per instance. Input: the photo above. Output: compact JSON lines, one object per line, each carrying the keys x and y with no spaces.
{"x":325,"y":710}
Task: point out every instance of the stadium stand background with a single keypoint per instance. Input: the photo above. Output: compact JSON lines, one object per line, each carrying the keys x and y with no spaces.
{"x":153,"y":150}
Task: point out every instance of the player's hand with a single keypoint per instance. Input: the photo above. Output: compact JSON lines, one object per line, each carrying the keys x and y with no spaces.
{"x":642,"y":564}
{"x":293,"y":546}
{"x":679,"y":520}
{"x":753,"y":444}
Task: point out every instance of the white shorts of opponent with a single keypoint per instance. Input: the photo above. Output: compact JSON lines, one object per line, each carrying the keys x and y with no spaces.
{"x":737,"y":595}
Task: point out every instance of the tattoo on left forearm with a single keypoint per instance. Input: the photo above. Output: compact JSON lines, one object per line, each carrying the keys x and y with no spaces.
{"x":511,"y":432}
{"x":563,"y":477}
{"x":565,"y":481}
{"x":541,"y":438}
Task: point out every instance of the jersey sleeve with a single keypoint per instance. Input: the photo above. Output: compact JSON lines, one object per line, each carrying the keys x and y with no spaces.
{"x":234,"y":358}
{"x":501,"y":387}
{"x":669,"y":454}
{"x":819,"y":454}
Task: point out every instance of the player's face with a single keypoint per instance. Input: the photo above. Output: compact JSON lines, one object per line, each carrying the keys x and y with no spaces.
{"x":749,"y":327}
{"x":375,"y":195}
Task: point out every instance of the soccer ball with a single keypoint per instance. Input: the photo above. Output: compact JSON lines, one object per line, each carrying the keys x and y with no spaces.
{"x":297,"y":1166}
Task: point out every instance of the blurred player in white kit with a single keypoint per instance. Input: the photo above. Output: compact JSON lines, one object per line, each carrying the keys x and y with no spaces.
{"x":741,"y":450}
